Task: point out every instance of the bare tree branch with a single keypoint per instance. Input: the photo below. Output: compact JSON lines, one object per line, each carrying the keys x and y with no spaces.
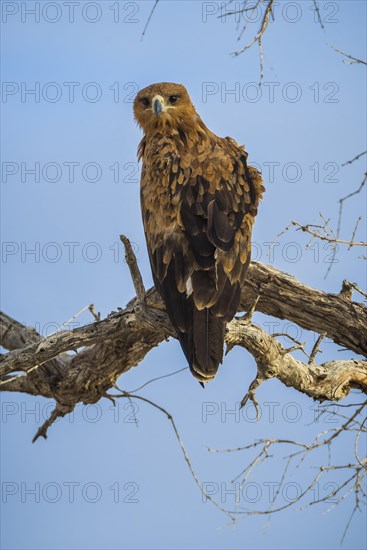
{"x":354,"y":159}
{"x":356,"y":472}
{"x":280,"y":295}
{"x":321,"y":232}
{"x":149,"y":18}
{"x":259,"y":36}
{"x":284,"y":297}
{"x":341,"y":202}
{"x":114,"y":345}
{"x":317,"y":10}
{"x":178,"y":437}
{"x":134,"y":270}
{"x":330,"y":381}
{"x":353,"y":59}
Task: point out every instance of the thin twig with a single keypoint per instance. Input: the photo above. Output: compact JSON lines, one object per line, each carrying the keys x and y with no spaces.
{"x":149,"y":18}
{"x":364,"y":463}
{"x":188,"y":462}
{"x":356,"y":287}
{"x":340,"y":214}
{"x":355,"y":158}
{"x":341,"y":201}
{"x":157,"y":378}
{"x":258,"y":37}
{"x":354,"y":232}
{"x":315,"y":349}
{"x":316,"y":6}
{"x":354,"y":59}
{"x":331,"y":239}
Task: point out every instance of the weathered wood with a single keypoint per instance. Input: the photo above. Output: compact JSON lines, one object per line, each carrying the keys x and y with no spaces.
{"x":331,"y":381}
{"x":119,"y":342}
{"x":284,"y":297}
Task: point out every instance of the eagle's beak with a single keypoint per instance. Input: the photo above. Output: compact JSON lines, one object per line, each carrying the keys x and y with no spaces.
{"x":157,"y":106}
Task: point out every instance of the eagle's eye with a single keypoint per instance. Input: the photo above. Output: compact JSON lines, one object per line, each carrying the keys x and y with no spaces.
{"x":173,"y":99}
{"x":145,"y":101}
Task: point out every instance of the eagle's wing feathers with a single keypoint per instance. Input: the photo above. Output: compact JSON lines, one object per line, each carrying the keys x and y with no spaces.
{"x":199,"y":272}
{"x":217,"y":216}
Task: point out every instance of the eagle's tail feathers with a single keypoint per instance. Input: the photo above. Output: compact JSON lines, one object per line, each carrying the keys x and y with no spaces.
{"x":203,"y":344}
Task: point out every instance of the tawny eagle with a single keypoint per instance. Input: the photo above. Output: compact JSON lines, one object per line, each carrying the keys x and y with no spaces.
{"x":199,"y":198}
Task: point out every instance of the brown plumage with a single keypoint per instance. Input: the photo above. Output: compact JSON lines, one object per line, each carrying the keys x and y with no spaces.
{"x":199,"y":198}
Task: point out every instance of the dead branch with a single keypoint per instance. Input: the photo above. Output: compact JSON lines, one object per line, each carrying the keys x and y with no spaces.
{"x":284,"y":297}
{"x":315,"y":231}
{"x":317,"y":10}
{"x":113,"y":345}
{"x":259,"y":36}
{"x":356,"y":472}
{"x":330,"y":381}
{"x":353,"y":59}
{"x":149,"y":18}
{"x":134,"y":270}
{"x":125,"y":394}
{"x":280,"y":295}
{"x":354,"y":158}
{"x":341,"y":202}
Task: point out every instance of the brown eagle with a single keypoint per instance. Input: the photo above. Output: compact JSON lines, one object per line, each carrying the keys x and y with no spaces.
{"x":199,"y":198}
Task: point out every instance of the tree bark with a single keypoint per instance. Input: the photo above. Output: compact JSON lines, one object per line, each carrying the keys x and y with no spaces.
{"x":114,"y":345}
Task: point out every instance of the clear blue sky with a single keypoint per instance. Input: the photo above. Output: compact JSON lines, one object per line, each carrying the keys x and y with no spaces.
{"x":77,"y":133}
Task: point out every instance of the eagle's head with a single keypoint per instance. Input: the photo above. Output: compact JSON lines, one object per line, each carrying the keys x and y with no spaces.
{"x":164,"y":105}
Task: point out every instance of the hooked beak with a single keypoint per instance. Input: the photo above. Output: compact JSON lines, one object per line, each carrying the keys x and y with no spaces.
{"x":157,"y":107}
